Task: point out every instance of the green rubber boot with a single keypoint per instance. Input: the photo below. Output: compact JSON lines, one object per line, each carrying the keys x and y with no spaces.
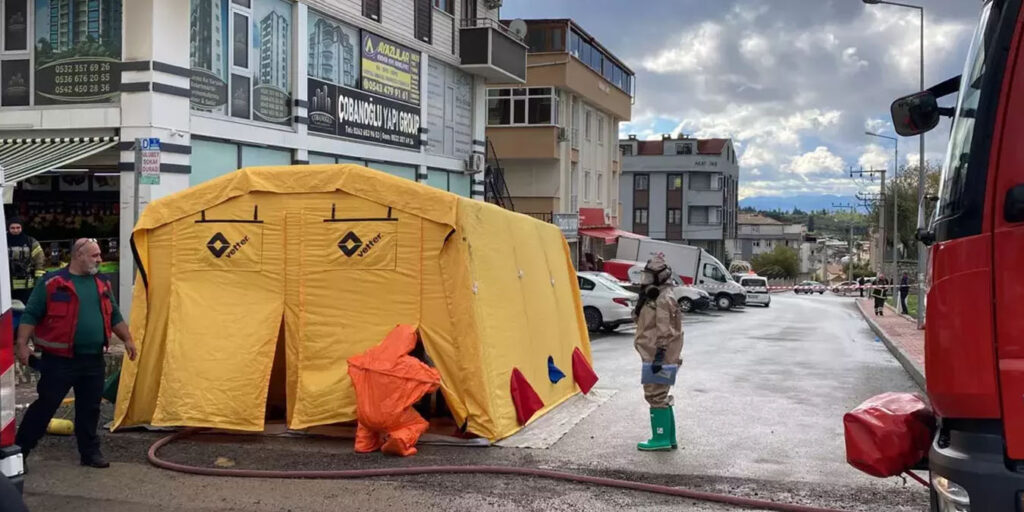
{"x":661,"y":430}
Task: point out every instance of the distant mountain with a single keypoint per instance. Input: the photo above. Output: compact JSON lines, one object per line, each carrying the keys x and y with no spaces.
{"x":803,"y":202}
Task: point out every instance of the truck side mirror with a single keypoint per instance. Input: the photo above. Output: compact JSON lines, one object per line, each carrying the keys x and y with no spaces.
{"x":915,"y":114}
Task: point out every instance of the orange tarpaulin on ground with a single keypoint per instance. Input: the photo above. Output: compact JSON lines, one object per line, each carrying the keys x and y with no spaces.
{"x":388,"y":381}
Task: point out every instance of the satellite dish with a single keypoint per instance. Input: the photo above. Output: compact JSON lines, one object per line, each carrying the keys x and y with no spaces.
{"x":518,"y":27}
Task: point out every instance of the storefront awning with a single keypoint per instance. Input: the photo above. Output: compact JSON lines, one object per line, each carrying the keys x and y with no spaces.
{"x":608,"y":234}
{"x":24,"y":158}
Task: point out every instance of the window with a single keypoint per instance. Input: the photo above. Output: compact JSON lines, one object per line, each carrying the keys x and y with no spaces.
{"x":712,"y":272}
{"x":533,"y":106}
{"x":959,"y":173}
{"x":600,"y":188}
{"x":675,"y":181}
{"x":627,"y":149}
{"x":424,"y":20}
{"x":371,"y":9}
{"x":586,"y":185}
{"x":447,"y":6}
{"x":546,"y":38}
{"x":698,"y":215}
{"x":600,"y":129}
{"x":684,"y":148}
{"x":640,"y":216}
{"x":469,"y":9}
{"x":700,"y":181}
{"x":715,"y":182}
{"x":675,"y":216}
{"x":586,"y":125}
{"x":715,"y":215}
{"x":641,"y":182}
{"x":586,"y":284}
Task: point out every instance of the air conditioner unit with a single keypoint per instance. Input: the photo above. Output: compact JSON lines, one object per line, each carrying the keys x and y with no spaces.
{"x":562,"y":135}
{"x":492,"y":4}
{"x":475,"y":162}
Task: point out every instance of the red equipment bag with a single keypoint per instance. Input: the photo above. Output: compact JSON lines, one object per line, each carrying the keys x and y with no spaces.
{"x":888,"y":434}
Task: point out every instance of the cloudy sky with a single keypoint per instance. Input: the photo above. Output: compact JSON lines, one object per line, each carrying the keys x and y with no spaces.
{"x":794,"y":82}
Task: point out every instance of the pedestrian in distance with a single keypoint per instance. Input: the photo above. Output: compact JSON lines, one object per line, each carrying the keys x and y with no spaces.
{"x":72,"y":314}
{"x":860,"y":286}
{"x":878,"y":292}
{"x":659,"y":340}
{"x":904,"y":292}
{"x":26,"y":258}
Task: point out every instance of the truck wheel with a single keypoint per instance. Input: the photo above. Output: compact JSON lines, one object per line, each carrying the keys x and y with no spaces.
{"x":723,"y":302}
{"x":685,"y":304}
{"x":593,"y":317}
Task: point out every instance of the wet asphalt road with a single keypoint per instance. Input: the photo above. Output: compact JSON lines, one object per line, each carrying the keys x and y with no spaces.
{"x":759,"y":412}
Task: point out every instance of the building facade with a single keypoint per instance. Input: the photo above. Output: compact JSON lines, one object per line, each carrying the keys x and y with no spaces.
{"x":397,"y":85}
{"x":681,"y":190}
{"x":554,"y":138}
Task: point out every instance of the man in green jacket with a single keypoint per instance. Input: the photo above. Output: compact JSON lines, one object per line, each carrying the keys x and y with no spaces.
{"x":72,"y":314}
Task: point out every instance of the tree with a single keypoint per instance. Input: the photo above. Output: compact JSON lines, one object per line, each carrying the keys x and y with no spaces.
{"x":860,"y":269}
{"x":781,"y":262}
{"x":904,"y":188}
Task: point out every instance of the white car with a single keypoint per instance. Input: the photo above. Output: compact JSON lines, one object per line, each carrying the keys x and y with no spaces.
{"x":757,"y":290}
{"x":606,"y":304}
{"x":690,"y":298}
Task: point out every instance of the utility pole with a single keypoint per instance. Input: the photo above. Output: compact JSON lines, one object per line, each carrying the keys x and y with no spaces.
{"x":849,"y":259}
{"x":881,"y":210}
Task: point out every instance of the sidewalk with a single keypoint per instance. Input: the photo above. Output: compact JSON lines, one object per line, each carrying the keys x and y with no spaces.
{"x":900,"y":335}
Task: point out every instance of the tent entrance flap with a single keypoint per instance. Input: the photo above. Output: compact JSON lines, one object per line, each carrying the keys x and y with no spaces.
{"x":277,"y":390}
{"x":24,"y":158}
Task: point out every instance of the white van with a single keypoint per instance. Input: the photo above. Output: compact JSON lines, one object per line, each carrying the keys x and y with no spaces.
{"x":693,"y":266}
{"x":757,"y":290}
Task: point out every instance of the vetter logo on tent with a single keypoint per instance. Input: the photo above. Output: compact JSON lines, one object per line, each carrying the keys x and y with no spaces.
{"x":349,"y":244}
{"x":219,"y":244}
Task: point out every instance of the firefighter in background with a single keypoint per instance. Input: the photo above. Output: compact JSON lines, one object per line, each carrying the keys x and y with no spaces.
{"x":27,"y":260}
{"x":659,"y":340}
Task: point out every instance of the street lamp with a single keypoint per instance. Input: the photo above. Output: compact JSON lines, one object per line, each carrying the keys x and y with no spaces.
{"x":921,"y":263}
{"x":895,"y":201}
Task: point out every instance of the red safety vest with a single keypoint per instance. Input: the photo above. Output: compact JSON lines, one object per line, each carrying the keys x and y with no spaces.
{"x":55,"y":333}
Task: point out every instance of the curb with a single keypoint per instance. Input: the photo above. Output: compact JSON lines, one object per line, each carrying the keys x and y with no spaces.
{"x":916,"y":372}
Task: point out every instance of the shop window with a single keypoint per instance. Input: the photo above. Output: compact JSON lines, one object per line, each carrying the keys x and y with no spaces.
{"x":211,"y":160}
{"x":253,"y":156}
{"x":315,"y":159}
{"x":461,"y":184}
{"x":533,"y":106}
{"x":402,"y":171}
{"x":437,"y":178}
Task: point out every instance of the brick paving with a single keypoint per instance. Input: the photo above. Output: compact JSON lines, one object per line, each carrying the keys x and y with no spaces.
{"x":901,"y":336}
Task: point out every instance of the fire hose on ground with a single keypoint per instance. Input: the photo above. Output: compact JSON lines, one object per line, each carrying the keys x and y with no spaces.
{"x":467,"y":469}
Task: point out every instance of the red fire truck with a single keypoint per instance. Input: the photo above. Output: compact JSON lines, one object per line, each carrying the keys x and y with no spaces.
{"x":11,"y":464}
{"x":974,"y":337}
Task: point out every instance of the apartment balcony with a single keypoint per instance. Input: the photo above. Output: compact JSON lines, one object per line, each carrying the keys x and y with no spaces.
{"x":488,"y":49}
{"x":525,"y":142}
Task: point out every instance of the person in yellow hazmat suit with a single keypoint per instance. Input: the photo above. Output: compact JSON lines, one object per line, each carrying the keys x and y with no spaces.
{"x":659,"y":340}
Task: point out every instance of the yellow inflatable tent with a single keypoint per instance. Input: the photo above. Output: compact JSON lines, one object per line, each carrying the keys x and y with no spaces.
{"x":304,"y":266}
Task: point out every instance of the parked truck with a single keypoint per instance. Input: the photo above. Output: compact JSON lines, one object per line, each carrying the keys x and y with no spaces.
{"x":693,"y":266}
{"x":974,"y":346}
